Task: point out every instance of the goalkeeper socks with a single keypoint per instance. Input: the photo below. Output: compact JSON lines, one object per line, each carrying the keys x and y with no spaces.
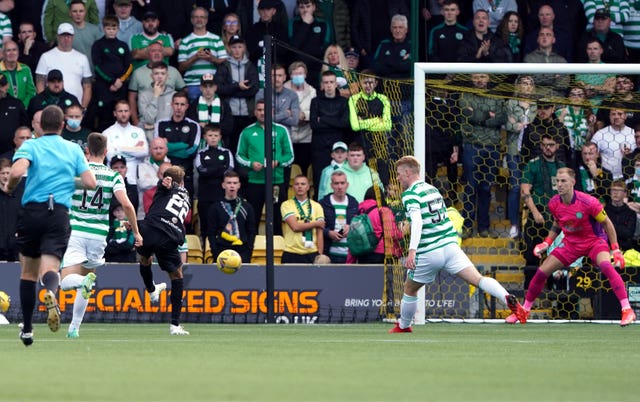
{"x":535,"y":287}
{"x":493,"y":287}
{"x":177,"y":285}
{"x":616,"y":282}
{"x":408,"y":307}
{"x":79,"y":307}
{"x":28,"y":303}
{"x":51,"y":281}
{"x":147,"y":277}
{"x":71,"y":281}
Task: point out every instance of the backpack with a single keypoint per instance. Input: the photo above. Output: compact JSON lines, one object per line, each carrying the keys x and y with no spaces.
{"x":362,"y":239}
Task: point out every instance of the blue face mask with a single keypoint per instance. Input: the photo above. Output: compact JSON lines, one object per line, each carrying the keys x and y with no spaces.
{"x":297,"y":79}
{"x":73,"y":123}
{"x":638,"y":171}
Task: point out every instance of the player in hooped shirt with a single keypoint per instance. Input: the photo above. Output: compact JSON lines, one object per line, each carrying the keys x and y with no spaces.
{"x":586,"y":228}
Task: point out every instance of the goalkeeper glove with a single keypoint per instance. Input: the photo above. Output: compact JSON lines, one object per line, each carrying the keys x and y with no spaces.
{"x":618,"y":258}
{"x":540,"y":248}
{"x":235,"y":241}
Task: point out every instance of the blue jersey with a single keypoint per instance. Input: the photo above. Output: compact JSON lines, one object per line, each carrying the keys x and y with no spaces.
{"x":54,"y":164}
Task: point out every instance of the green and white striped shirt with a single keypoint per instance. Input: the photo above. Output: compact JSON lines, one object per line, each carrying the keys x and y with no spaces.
{"x":90,"y":208}
{"x":437,"y":229}
{"x":190,"y":45}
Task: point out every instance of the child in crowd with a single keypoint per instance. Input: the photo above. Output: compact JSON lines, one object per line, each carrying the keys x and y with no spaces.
{"x":120,"y":241}
{"x":338,"y":157}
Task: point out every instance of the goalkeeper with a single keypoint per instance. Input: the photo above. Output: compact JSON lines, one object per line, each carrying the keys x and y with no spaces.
{"x":586,"y":227}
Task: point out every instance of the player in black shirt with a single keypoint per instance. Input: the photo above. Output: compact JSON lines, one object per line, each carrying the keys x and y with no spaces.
{"x":163,"y":228}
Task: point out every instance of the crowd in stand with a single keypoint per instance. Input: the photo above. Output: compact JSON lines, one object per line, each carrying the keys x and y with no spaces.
{"x":182,"y":82}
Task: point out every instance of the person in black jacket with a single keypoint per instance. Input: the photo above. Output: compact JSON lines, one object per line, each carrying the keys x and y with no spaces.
{"x":53,"y":94}
{"x":13,"y":116}
{"x":545,"y":122}
{"x":591,"y":177}
{"x":623,"y":217}
{"x":9,"y":207}
{"x":268,"y":25}
{"x":329,"y":120}
{"x":480,"y":45}
{"x":212,"y":163}
{"x":237,"y":81}
{"x":231,"y":221}
{"x":339,"y":208}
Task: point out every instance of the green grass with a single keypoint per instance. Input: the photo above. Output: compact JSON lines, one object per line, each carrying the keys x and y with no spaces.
{"x":359,"y":362}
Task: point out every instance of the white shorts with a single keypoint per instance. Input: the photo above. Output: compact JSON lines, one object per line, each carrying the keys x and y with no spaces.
{"x":451,"y":258}
{"x":88,"y":252}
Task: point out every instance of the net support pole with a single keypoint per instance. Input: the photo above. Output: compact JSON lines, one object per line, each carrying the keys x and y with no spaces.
{"x":268,"y":153}
{"x":419,"y":142}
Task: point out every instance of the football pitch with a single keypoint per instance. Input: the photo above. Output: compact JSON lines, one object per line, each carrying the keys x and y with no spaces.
{"x":347,"y":362}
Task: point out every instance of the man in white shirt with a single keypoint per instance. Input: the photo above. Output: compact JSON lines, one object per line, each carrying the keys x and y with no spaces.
{"x":126,"y":140}
{"x":74,"y":66}
{"x":615,"y":141}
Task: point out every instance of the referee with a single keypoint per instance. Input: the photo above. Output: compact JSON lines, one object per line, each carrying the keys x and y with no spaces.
{"x":51,"y":164}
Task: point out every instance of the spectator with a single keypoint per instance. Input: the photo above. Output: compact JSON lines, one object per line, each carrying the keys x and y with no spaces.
{"x":619,"y":12}
{"x":249,"y":13}
{"x":73,"y":65}
{"x":53,"y":94}
{"x":148,"y":168}
{"x":13,"y":116}
{"x":119,"y":164}
{"x":336,"y":15}
{"x":73,"y":130}
{"x":183,"y":137}
{"x":445,"y":38}
{"x":369,"y":111}
{"x":251,"y":155}
{"x":113,"y":68}
{"x":155,"y":101}
{"x":577,"y":119}
{"x":211,"y":163}
{"x":630,"y":35}
{"x":482,"y":118}
{"x":338,"y":158}
{"x":520,"y":111}
{"x":613,"y":44}
{"x":140,"y":42}
{"x":301,"y":133}
{"x":199,"y":52}
{"x":285,"y":104}
{"x":628,"y":160}
{"x":303,"y":225}
{"x":511,"y":30}
{"x":142,"y":79}
{"x":56,"y":12}
{"x":546,"y":122}
{"x":596,"y":85}
{"x":623,"y":217}
{"x":19,"y":75}
{"x":385,"y":227}
{"x":30,"y":48}
{"x":591,"y":177}
{"x":359,"y":175}
{"x":219,"y":9}
{"x":623,"y":95}
{"x":336,"y":61}
{"x":480,"y":45}
{"x":615,"y":141}
{"x":232,"y":221}
{"x":126,"y":140}
{"x":174,"y":16}
{"x":9,"y":207}
{"x":85,"y":33}
{"x":230,"y":28}
{"x":338,"y":208}
{"x":496,"y":10}
{"x":238,"y":82}
{"x":392,"y":58}
{"x":537,"y":188}
{"x":329,"y":121}
{"x":128,"y":24}
{"x":120,"y":239}
{"x":209,"y":108}
{"x":22,"y":134}
{"x":353,"y":63}
{"x":549,"y":84}
{"x":311,"y":36}
{"x":563,"y":44}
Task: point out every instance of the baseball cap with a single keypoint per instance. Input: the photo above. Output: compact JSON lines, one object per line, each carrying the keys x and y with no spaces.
{"x":235,"y":39}
{"x":351,"y":52}
{"x":339,"y":145}
{"x":118,"y":158}
{"x":267,"y":4}
{"x":54,"y":75}
{"x":65,"y":28}
{"x":207,"y":79}
{"x":122,"y":2}
{"x":602,"y":13}
{"x":150,"y":15}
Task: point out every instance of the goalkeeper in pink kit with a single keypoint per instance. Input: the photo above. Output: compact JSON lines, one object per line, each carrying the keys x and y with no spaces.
{"x":586,"y":228}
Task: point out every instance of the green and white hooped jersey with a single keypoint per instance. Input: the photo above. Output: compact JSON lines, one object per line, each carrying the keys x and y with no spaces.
{"x":90,"y":208}
{"x":437,"y":229}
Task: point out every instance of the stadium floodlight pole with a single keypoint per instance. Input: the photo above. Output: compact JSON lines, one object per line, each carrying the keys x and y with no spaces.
{"x":268,"y":153}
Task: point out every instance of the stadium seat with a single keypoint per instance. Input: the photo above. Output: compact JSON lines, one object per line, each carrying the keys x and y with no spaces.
{"x":208,"y":255}
{"x":194,"y":252}
{"x":259,"y":255}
